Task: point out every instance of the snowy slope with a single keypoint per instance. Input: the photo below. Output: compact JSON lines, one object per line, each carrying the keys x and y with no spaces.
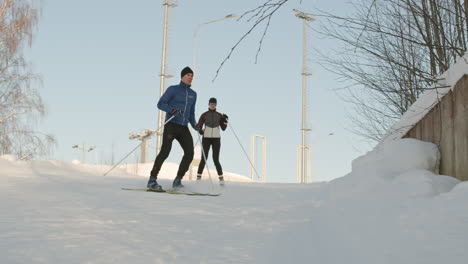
{"x":169,"y":171}
{"x":392,"y":208}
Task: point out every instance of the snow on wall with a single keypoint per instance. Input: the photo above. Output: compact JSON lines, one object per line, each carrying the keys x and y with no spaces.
{"x":428,"y":100}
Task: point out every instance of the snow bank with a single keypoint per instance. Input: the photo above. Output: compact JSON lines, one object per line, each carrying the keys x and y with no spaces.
{"x":402,"y":169}
{"x":391,"y":208}
{"x":391,"y":159}
{"x":9,"y":165}
{"x":8,"y":157}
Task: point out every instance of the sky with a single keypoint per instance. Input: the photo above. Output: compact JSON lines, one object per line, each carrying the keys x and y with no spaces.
{"x":100,"y":63}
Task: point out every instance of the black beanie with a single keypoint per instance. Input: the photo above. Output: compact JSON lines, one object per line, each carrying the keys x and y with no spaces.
{"x":213,"y":100}
{"x":186,"y":70}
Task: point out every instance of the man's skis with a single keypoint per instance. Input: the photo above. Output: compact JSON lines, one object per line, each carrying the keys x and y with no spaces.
{"x":171,"y":192}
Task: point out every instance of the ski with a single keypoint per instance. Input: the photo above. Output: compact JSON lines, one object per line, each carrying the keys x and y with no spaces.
{"x":171,"y":192}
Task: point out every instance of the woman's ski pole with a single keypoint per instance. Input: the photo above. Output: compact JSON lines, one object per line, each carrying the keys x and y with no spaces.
{"x":206,"y":162}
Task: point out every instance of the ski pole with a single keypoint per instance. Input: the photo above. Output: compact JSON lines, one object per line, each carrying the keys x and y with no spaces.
{"x":245,"y":152}
{"x":206,"y":162}
{"x":157,"y":131}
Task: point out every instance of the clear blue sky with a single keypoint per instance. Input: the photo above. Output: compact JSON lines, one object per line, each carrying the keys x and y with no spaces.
{"x":100,"y":62}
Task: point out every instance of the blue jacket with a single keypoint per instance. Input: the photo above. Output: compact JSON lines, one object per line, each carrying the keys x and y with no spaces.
{"x":180,"y":97}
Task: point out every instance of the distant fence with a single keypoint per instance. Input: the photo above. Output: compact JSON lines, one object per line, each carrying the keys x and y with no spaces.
{"x":446,"y":125}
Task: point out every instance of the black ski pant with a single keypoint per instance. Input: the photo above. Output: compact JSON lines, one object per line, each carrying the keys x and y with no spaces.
{"x":182,"y":135}
{"x":216,"y":144}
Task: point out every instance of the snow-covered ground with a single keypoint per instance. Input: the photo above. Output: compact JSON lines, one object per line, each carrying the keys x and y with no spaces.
{"x":392,"y":208}
{"x":169,"y":170}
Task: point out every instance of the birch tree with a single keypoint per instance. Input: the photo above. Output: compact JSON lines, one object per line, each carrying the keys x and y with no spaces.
{"x":21,"y":106}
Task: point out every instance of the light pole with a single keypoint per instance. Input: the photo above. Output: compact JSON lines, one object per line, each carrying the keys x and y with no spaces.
{"x":144,"y":136}
{"x":195,"y":36}
{"x":304,"y":169}
{"x":306,"y":178}
{"x":167,"y":4}
{"x":252,"y":156}
{"x":84,"y":149}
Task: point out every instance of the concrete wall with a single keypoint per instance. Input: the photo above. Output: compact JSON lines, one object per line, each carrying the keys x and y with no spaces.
{"x":446,"y":125}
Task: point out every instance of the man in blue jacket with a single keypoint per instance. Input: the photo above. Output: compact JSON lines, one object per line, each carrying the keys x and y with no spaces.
{"x":178,"y":101}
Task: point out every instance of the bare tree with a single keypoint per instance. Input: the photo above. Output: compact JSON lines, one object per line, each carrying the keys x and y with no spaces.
{"x":21,"y":106}
{"x":391,"y":52}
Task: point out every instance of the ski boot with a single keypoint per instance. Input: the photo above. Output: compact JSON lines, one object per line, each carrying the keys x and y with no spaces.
{"x":199,"y":177}
{"x":221,"y":180}
{"x":177,"y":184}
{"x":153,"y":185}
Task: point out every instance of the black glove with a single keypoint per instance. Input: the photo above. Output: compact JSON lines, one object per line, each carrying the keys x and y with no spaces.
{"x":176,"y":111}
{"x":198,"y":128}
{"x":225,"y":118}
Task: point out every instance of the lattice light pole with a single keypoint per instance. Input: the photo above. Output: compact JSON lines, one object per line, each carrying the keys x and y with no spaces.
{"x":300,"y":177}
{"x":167,"y":4}
{"x":144,"y":136}
{"x":304,"y":163}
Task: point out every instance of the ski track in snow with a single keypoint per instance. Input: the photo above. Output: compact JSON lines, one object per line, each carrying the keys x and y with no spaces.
{"x":57,"y":212}
{"x":83,"y":218}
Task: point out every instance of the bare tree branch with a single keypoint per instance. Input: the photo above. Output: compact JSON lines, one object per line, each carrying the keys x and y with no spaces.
{"x":11,"y":114}
{"x":262,"y":13}
{"x":391,"y":52}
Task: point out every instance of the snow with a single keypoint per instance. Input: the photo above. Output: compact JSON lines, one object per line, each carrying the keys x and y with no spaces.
{"x":391,"y":208}
{"x":423,"y":105}
{"x":415,"y":156}
{"x":169,"y":170}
